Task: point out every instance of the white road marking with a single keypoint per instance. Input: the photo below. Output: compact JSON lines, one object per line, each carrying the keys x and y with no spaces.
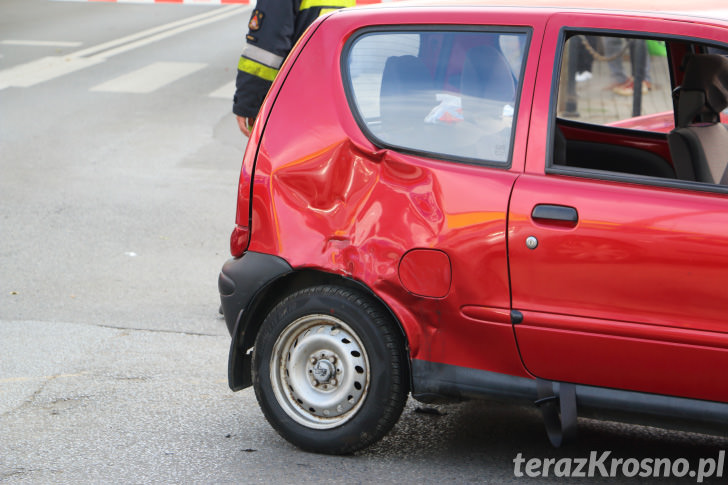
{"x":149,"y":78}
{"x":41,"y":70}
{"x":150,"y":35}
{"x":225,"y":91}
{"x":185,"y":2}
{"x":40,"y":43}
{"x":44,"y":69}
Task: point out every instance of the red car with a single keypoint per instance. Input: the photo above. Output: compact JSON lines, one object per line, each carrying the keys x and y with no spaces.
{"x":437,"y":201}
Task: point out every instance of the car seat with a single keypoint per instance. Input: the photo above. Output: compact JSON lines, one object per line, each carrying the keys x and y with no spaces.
{"x":487,"y":88}
{"x":406,"y":97}
{"x":699,"y":143}
{"x":487,"y":83}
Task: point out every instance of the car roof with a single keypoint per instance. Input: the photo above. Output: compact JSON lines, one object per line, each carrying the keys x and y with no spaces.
{"x":707,"y":9}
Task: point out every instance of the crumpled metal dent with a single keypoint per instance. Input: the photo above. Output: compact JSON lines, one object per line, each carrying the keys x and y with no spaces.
{"x":346,"y":194}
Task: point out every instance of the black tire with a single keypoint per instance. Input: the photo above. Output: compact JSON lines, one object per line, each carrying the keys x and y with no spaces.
{"x":340,"y":374}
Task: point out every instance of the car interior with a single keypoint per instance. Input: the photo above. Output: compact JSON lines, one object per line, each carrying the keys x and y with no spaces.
{"x":453,"y":96}
{"x":699,"y":142}
{"x":682,"y":138}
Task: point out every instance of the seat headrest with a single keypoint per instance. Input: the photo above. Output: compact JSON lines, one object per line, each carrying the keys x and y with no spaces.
{"x":486,"y":74}
{"x":708,"y":73}
{"x":487,"y":84}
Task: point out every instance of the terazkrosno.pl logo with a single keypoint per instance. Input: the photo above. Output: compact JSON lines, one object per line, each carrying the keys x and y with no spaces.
{"x":603,"y":465}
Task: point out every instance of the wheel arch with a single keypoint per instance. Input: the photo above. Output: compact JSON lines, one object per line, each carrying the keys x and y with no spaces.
{"x":250,"y":321}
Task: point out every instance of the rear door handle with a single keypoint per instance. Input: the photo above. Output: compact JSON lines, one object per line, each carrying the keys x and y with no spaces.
{"x":562,"y":214}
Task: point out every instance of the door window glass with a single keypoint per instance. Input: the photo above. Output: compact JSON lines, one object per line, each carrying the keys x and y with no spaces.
{"x":450,"y":94}
{"x":641,"y":106}
{"x":598,"y":76}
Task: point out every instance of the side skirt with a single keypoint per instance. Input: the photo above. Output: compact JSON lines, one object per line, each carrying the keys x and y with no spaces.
{"x":434,"y":382}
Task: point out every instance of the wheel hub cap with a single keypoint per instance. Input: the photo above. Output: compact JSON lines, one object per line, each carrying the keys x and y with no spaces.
{"x":323,"y":371}
{"x":319,"y":371}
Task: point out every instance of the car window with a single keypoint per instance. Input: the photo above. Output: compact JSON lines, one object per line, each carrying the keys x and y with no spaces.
{"x":640,"y":106}
{"x":449,"y":94}
{"x":598,"y":82}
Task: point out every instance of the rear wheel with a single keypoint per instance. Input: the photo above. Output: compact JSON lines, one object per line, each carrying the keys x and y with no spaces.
{"x":330,"y":370}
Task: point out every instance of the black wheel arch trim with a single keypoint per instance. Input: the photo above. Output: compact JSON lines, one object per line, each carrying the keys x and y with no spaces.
{"x":244,"y":284}
{"x":240,"y":283}
{"x":242,"y":278}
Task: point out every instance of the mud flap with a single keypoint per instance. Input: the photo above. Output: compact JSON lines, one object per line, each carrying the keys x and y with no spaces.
{"x":559,"y":411}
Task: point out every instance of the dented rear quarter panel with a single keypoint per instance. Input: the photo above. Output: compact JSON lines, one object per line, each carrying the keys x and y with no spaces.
{"x":326,"y":198}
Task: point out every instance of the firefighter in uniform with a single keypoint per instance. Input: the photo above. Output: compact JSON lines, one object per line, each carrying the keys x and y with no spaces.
{"x":273,"y":29}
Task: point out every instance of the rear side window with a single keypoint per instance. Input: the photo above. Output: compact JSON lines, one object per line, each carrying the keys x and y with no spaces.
{"x":450,"y":94}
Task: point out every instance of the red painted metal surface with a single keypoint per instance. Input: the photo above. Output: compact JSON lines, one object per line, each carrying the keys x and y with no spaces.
{"x":644,"y":256}
{"x":658,"y":122}
{"x":643,"y":262}
{"x":326,"y":198}
{"x":643,"y":363}
{"x":426,"y":272}
{"x":628,"y":297}
{"x":656,"y":144}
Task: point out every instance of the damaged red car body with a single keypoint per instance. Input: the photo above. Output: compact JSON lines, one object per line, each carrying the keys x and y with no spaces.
{"x":420,"y":211}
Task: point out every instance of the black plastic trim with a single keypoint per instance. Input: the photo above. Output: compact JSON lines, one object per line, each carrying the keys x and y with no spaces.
{"x":555,"y":213}
{"x":516,"y":317}
{"x":241,"y":278}
{"x":454,"y":382}
{"x":239,"y":282}
{"x":435,"y":382}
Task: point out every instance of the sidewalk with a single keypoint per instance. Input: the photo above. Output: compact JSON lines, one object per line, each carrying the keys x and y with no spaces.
{"x":597,"y":103}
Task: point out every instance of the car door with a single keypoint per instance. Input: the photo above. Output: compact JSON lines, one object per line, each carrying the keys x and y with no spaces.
{"x":620,"y":278}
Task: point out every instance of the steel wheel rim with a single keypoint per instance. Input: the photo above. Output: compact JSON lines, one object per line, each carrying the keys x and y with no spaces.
{"x":319,"y":371}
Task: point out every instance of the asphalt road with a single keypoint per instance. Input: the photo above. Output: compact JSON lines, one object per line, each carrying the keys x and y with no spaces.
{"x":119,"y":161}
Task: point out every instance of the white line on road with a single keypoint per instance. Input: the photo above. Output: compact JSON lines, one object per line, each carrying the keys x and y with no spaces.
{"x":48,"y":68}
{"x":184,"y":2}
{"x":40,"y":43}
{"x":44,"y":69}
{"x":149,"y":78}
{"x":189,"y":23}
